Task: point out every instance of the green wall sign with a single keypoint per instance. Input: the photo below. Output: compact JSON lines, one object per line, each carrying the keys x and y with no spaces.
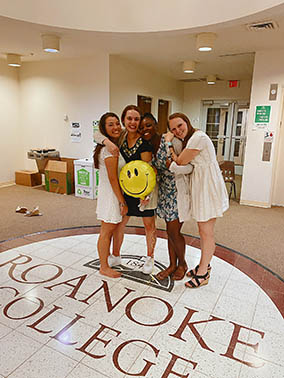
{"x":262,"y":114}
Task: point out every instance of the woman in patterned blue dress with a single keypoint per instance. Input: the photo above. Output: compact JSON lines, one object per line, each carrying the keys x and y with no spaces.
{"x":167,"y":208}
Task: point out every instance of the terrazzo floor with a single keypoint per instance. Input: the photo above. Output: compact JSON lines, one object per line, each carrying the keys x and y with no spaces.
{"x":60,"y":318}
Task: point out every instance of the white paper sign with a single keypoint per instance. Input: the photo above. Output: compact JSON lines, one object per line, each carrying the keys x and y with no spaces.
{"x":76,"y":132}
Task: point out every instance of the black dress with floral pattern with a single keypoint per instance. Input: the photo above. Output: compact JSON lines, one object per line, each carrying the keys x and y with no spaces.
{"x":130,"y":154}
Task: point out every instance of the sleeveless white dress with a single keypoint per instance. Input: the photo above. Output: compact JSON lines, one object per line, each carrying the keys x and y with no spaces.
{"x":209,"y":196}
{"x":107,"y":203}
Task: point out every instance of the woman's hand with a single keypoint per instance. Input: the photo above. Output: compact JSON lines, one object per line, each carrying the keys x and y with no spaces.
{"x":111,"y":147}
{"x":123,"y":208}
{"x":145,"y":201}
{"x":168,"y":162}
{"x":169,"y":136}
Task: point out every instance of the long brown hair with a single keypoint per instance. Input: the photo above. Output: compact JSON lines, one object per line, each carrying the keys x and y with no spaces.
{"x":130,"y":107}
{"x":191,"y":129}
{"x":102,"y":128}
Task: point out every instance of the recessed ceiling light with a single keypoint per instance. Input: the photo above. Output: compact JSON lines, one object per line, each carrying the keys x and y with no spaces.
{"x":50,"y":43}
{"x":205,"y":41}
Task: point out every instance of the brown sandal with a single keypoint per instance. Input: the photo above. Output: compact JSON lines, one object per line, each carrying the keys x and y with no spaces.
{"x":179,"y":273}
{"x":194,"y":285}
{"x":165,"y":273}
{"x":193,"y":272}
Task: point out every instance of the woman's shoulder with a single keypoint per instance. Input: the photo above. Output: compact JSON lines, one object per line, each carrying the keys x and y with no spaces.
{"x":199,"y":134}
{"x":105,"y":153}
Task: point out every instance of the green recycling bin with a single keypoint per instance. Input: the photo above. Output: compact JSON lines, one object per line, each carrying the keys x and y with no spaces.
{"x":86,"y":179}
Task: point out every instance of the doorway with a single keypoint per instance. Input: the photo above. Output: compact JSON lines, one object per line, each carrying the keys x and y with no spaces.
{"x":163,"y":113}
{"x":225,"y":123}
{"x":144,"y":103}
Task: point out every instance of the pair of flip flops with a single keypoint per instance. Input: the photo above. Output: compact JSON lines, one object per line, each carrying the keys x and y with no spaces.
{"x":28,"y":213}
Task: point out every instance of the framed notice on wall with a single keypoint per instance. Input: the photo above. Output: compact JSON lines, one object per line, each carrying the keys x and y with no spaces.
{"x":262,"y":115}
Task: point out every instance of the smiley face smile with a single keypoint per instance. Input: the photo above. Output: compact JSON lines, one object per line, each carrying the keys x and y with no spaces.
{"x":137,"y":179}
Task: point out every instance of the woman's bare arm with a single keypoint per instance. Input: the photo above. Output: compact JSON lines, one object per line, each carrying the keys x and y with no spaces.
{"x":111,"y":166}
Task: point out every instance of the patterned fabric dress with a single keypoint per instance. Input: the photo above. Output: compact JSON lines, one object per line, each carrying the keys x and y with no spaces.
{"x":130,"y":154}
{"x":167,"y":195}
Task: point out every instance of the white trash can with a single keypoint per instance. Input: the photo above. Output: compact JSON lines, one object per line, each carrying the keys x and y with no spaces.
{"x":86,"y":179}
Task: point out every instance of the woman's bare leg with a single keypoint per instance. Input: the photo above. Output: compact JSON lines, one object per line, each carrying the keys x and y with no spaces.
{"x":207,"y":241}
{"x":173,"y":262}
{"x":118,"y":236}
{"x":151,"y":234}
{"x":178,"y":243}
{"x":104,"y":241}
{"x":206,"y":232}
{"x":176,"y":249}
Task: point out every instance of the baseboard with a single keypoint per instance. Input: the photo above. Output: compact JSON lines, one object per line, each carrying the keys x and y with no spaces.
{"x":8,"y":183}
{"x":255,"y":204}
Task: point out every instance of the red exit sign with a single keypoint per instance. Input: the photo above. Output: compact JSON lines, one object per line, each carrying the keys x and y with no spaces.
{"x":234,"y":83}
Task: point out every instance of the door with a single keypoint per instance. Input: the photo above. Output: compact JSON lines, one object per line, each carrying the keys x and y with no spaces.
{"x":225,"y":124}
{"x":239,"y":136}
{"x":144,"y":103}
{"x":163,"y":113}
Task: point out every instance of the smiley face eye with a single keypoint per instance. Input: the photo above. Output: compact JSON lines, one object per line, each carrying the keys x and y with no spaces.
{"x":129,"y":174}
{"x":136,"y":171}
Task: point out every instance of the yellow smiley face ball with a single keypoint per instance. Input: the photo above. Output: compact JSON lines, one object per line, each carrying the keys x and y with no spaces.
{"x":137,"y":178}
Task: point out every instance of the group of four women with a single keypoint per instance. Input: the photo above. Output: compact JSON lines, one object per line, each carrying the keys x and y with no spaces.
{"x":189,"y":185}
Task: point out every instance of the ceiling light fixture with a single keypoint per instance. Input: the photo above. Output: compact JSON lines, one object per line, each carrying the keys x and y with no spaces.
{"x":50,"y":43}
{"x":14,"y":60}
{"x":211,"y":79}
{"x":188,"y":66}
{"x":205,"y":41}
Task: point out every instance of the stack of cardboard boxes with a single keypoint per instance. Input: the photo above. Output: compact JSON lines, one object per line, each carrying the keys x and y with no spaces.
{"x":58,"y":172}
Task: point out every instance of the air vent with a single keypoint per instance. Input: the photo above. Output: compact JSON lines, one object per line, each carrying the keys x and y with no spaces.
{"x":236,"y":54}
{"x":197,"y":80}
{"x":264,"y":25}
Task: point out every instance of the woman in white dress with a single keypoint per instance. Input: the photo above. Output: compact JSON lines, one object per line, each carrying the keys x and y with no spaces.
{"x":111,"y":205}
{"x":209,"y":196}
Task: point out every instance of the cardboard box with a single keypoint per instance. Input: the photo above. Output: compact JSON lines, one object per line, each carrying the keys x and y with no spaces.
{"x":59,"y":176}
{"x":28,"y":178}
{"x":42,"y":157}
{"x":41,"y":163}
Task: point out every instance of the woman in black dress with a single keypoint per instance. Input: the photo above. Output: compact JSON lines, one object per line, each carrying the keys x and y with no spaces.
{"x":134,"y":147}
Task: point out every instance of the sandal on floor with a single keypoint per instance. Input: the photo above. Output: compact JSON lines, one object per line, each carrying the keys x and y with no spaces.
{"x":195,"y":282}
{"x":193,"y":272}
{"x":179,"y":273}
{"x":164,"y":274}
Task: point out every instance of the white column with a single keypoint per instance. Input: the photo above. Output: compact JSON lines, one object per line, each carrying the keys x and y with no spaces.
{"x":258,"y":175}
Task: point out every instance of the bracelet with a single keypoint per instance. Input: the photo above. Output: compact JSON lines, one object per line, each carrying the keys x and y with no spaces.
{"x":169,"y":144}
{"x":123,"y":204}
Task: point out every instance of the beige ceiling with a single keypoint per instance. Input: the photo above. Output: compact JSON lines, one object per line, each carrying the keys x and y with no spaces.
{"x":232,"y":57}
{"x":132,"y":15}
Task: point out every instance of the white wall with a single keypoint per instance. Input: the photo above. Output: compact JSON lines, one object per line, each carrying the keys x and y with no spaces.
{"x":49,"y":90}
{"x":195,"y":92}
{"x":127,"y":80}
{"x":258,"y":177}
{"x":278,"y":186}
{"x":10,"y":140}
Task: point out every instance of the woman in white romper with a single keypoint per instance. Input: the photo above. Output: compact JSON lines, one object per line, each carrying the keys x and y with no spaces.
{"x":209,"y":196}
{"x":111,"y":205}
